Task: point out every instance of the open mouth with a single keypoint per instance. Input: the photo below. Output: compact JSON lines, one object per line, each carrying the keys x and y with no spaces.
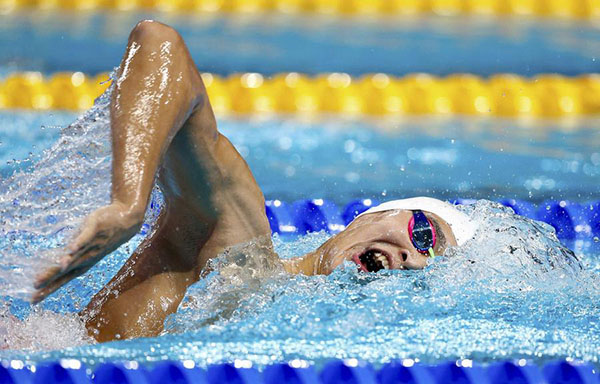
{"x":372,"y":261}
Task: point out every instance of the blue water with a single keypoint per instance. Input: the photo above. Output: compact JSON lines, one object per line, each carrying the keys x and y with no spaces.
{"x":341,"y":160}
{"x":513,"y":292}
{"x":94,"y":42}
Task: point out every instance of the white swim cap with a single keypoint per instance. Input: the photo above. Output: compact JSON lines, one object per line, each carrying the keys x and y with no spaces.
{"x":462,"y":226}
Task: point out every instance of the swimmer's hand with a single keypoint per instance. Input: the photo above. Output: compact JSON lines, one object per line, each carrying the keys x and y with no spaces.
{"x":103,"y":231}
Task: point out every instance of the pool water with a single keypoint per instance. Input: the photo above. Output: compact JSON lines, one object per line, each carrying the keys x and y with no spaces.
{"x":94,"y":42}
{"x":344,"y":159}
{"x":512,"y":292}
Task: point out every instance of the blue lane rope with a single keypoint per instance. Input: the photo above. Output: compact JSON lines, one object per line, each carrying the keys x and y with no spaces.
{"x":571,"y":220}
{"x":299,"y":372}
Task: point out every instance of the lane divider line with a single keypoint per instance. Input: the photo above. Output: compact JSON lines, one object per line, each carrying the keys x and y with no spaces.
{"x":501,"y":95}
{"x":571,"y":9}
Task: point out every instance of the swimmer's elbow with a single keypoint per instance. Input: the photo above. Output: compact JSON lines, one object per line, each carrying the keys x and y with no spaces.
{"x":154,"y":31}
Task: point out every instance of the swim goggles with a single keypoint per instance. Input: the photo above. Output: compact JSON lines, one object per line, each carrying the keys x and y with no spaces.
{"x":421,"y":233}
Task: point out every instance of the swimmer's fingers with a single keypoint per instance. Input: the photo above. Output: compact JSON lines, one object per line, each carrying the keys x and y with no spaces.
{"x":56,"y":282}
{"x":88,"y":253}
{"x":42,"y":284}
{"x":71,"y":267}
{"x":82,"y":241}
{"x":82,"y":260}
{"x":103,"y":231}
{"x":49,"y":275}
{"x":46,"y":277}
{"x":55,"y":277}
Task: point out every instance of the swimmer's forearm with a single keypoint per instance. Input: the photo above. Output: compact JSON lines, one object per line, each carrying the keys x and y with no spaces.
{"x":146,"y":111}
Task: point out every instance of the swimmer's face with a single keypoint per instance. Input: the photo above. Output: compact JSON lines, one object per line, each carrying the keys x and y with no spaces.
{"x":381,"y":237}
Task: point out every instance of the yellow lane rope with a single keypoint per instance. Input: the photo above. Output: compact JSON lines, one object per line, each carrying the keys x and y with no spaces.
{"x":506,"y":95}
{"x":579,"y":9}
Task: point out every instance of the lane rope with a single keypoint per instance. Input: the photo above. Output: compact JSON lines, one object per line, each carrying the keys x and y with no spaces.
{"x":571,"y":9}
{"x":298,"y":371}
{"x":501,"y":95}
{"x":570,"y":220}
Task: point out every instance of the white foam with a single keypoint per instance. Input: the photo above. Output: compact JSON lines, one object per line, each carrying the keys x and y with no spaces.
{"x":43,"y":331}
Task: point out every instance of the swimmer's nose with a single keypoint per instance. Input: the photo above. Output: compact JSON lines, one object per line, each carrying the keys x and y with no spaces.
{"x":411,"y":259}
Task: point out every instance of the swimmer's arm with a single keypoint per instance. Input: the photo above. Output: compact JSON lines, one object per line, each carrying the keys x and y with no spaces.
{"x":211,"y":202}
{"x":211,"y":198}
{"x":154,"y":95}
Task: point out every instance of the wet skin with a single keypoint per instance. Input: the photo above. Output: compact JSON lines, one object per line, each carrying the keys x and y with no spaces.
{"x":163,"y":130}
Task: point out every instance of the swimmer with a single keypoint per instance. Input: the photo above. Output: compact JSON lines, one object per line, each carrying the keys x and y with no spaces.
{"x":164,"y":131}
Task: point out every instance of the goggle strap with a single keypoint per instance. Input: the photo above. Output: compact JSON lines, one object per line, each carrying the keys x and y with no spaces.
{"x":431,"y":253}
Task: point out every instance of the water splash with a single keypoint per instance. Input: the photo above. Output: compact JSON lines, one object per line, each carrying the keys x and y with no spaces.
{"x":42,"y":330}
{"x":508,"y":251}
{"x":513,"y":291}
{"x":41,"y":206}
